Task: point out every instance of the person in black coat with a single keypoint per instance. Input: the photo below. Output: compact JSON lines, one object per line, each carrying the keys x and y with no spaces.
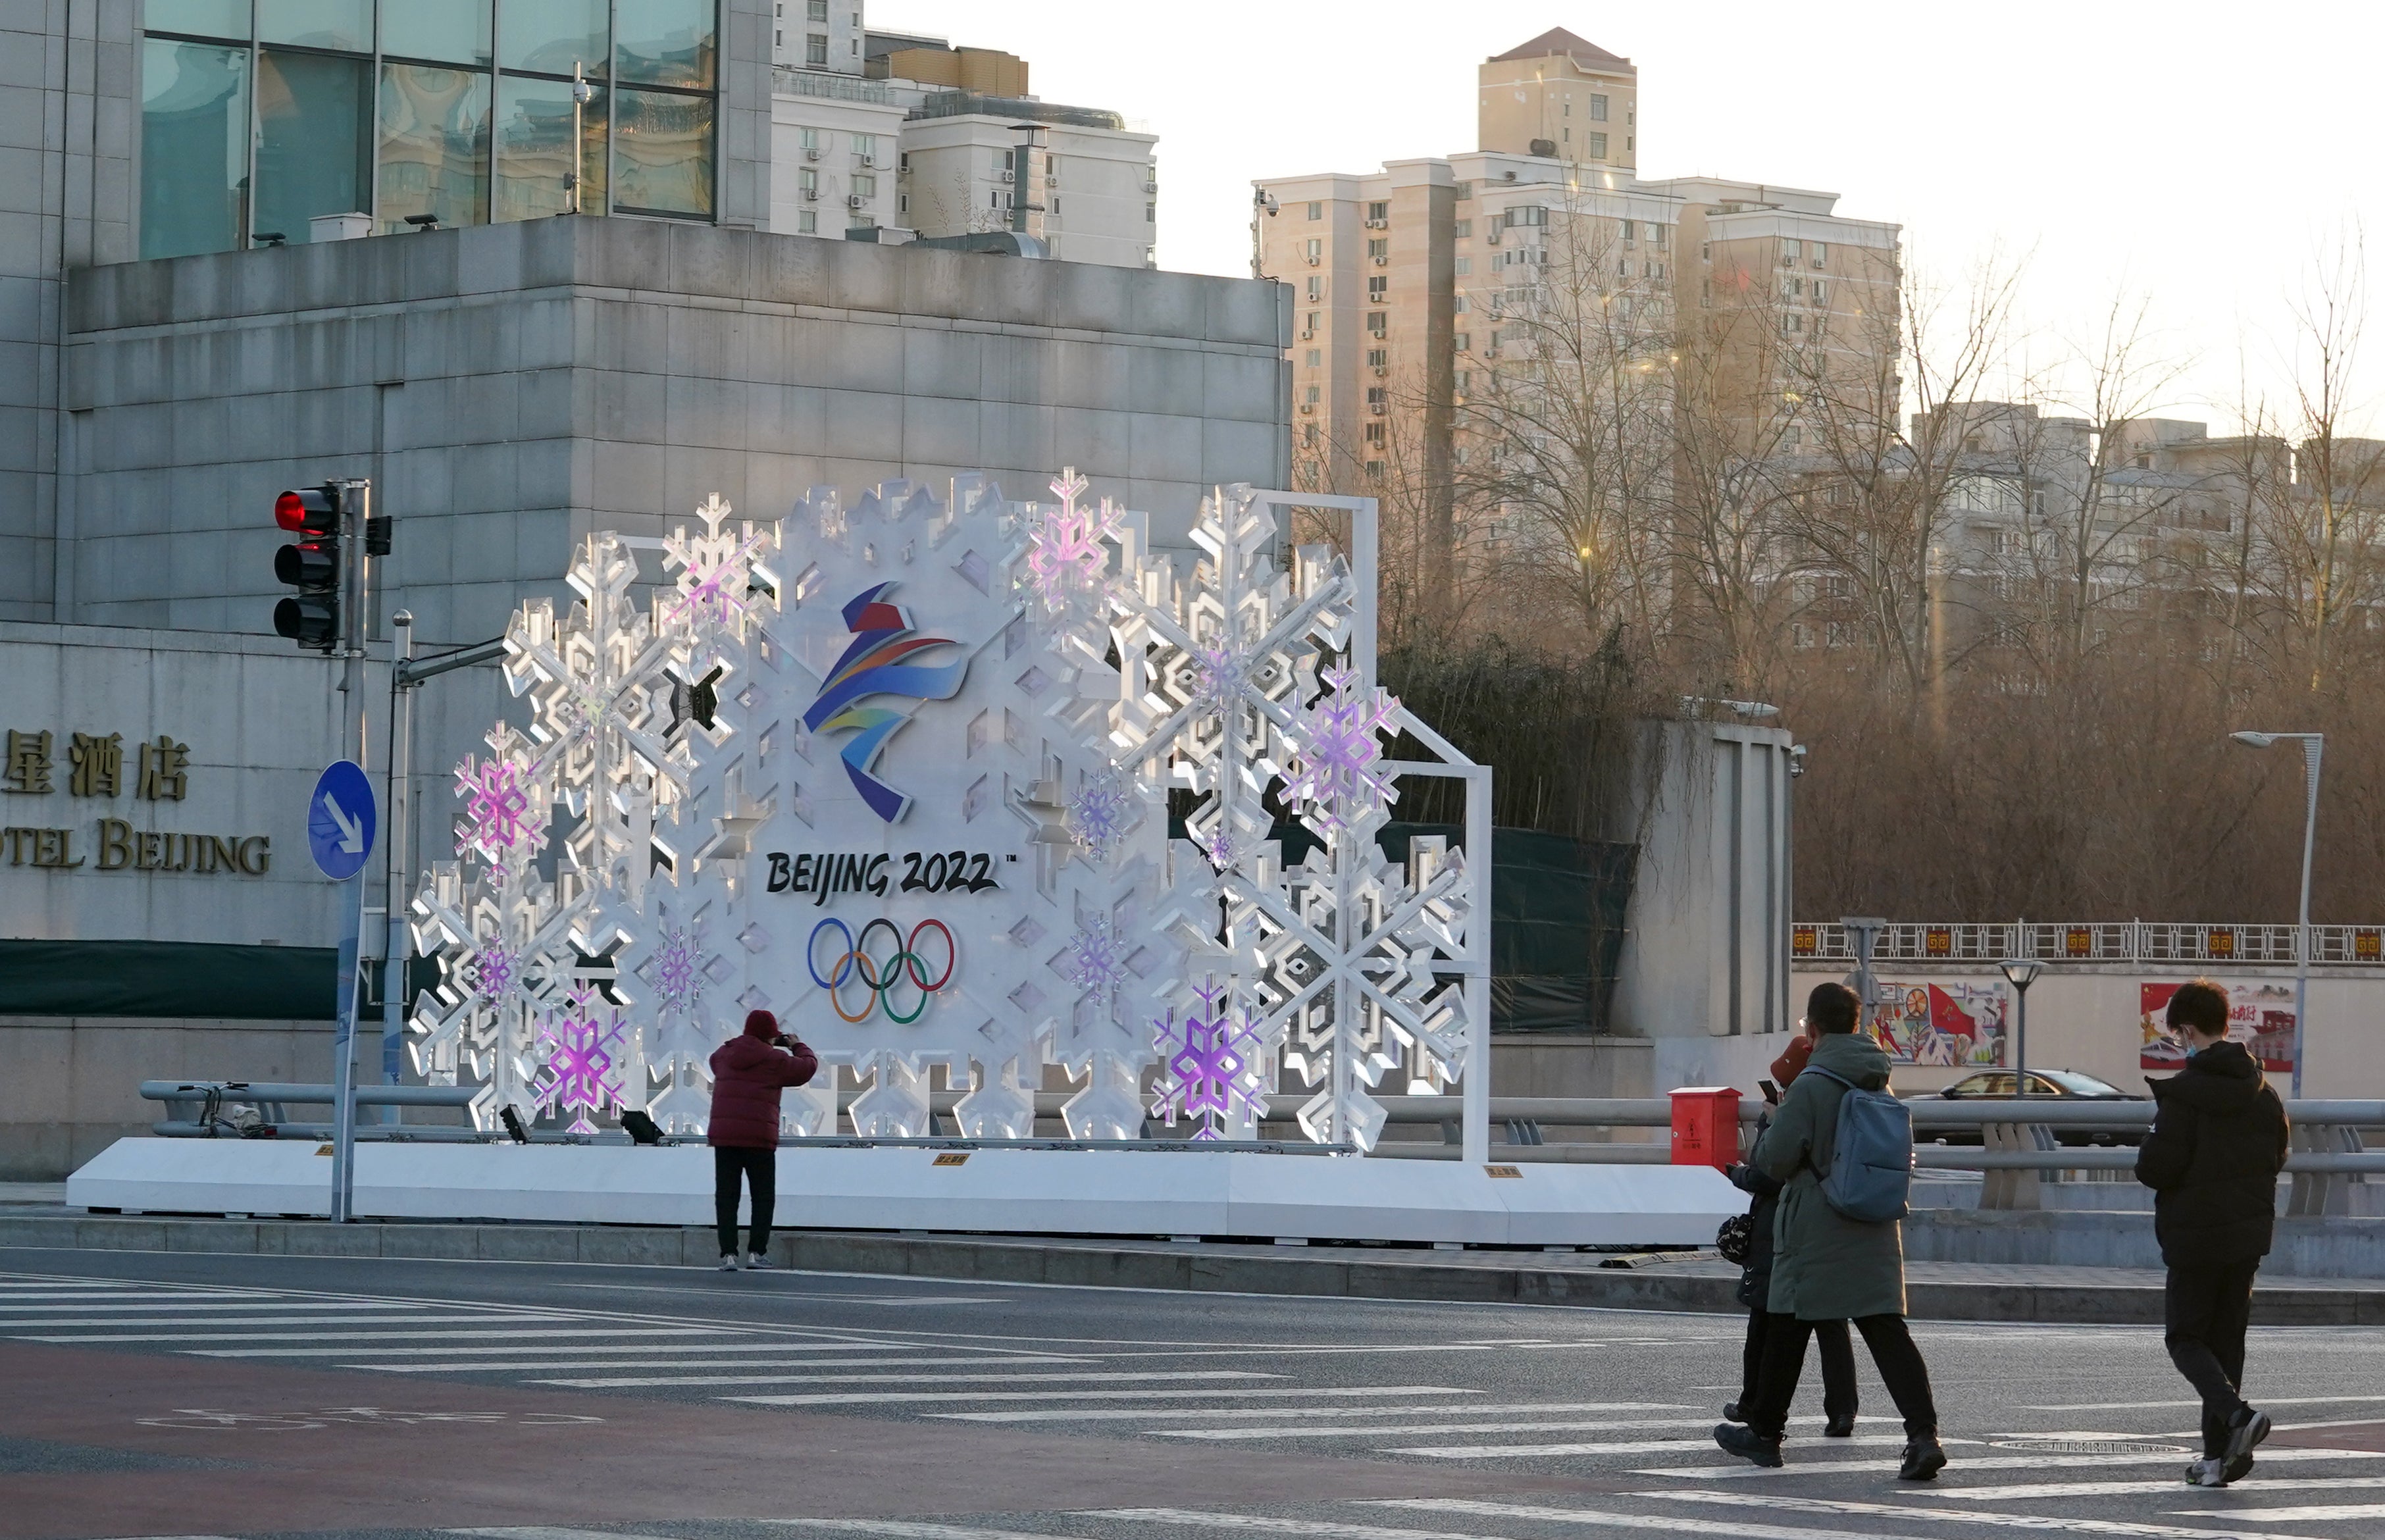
{"x":2218,"y":1144}
{"x":1830,"y":1337}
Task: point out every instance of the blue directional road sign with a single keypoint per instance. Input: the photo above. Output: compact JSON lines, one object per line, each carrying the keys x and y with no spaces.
{"x":340,"y":822}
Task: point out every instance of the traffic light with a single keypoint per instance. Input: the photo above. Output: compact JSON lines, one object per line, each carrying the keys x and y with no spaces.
{"x":310,"y":617}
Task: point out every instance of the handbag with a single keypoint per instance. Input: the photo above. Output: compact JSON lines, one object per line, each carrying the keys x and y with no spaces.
{"x":1735,"y":1239}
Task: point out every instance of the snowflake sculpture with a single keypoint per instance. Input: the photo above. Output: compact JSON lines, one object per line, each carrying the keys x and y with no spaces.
{"x":489,"y":972}
{"x":1334,"y":779}
{"x":580,"y":1074}
{"x":1068,"y":557}
{"x":496,"y":808}
{"x":1220,"y":673}
{"x":675,"y":970}
{"x":717,"y":573}
{"x":1101,"y":812}
{"x":1211,"y":1069}
{"x":1095,"y":959}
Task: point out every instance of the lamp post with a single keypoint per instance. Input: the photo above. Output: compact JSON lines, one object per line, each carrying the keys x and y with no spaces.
{"x":1263,"y":207}
{"x":582,"y":95}
{"x":2021,"y":972}
{"x":2313,"y":744}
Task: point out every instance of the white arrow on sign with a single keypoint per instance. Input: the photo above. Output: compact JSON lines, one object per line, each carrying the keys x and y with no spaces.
{"x":352,"y":836}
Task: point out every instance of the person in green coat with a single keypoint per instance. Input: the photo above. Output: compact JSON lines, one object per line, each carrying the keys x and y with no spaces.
{"x":1825,"y":1266}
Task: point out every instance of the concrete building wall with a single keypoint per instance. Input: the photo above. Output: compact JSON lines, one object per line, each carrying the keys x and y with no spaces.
{"x":512,"y":388}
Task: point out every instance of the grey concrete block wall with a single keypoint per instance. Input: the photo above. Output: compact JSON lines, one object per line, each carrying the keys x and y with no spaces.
{"x":512,"y":388}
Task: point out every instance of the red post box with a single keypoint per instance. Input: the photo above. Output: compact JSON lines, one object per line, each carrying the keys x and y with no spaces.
{"x":1706,"y":1125}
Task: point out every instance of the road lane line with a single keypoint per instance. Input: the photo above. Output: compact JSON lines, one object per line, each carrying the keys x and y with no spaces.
{"x":2319,"y":1513}
{"x":2263,"y":1482}
{"x":1773,"y":1501}
{"x":1991,"y":1462}
{"x":2165,"y":1406}
{"x":1096,"y":1394}
{"x":906,"y":1529}
{"x":1640,"y":1446}
{"x":1324,"y":1529}
{"x":1097,"y":1376}
{"x":1403,"y":1429}
{"x":747,"y":1361}
{"x":594,"y":1331}
{"x":204,"y":1327}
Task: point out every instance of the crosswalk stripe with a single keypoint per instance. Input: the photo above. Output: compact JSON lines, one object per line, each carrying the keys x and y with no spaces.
{"x":1099,"y":1394}
{"x":206,"y":1327}
{"x":1640,"y":1446}
{"x":2292,"y":1515}
{"x":907,"y":1529}
{"x":602,"y":1329}
{"x":1404,"y":1429}
{"x":368,"y":1350}
{"x":1325,"y":1528}
{"x":2163,"y":1406}
{"x":1678,"y":1523}
{"x":2129,"y":1488}
{"x":177,"y":1306}
{"x":634,"y":1380}
{"x":1848,"y":1508}
{"x":761,"y":1359}
{"x":1436,"y":1408}
{"x":131,"y":1298}
{"x":538,"y":1531}
{"x":1991,"y":1462}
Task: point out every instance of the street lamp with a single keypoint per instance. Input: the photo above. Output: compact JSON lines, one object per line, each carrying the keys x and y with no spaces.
{"x":1263,"y":204}
{"x":2313,"y":744}
{"x":2021,"y":972}
{"x":582,"y":95}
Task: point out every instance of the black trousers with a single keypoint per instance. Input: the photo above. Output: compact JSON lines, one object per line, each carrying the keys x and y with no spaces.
{"x":760,"y":1168}
{"x":2205,"y":1311}
{"x":1838,"y":1362}
{"x":1892,"y":1352}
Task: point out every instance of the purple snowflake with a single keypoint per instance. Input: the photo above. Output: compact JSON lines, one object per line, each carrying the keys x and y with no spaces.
{"x":1065,"y":557}
{"x":489,"y":972}
{"x":1100,"y":812}
{"x":1209,"y":1067}
{"x":496,"y":809}
{"x":579,"y":1075}
{"x":1095,"y":959}
{"x":1333,"y":779}
{"x":673,"y":970}
{"x":712,"y":587}
{"x":1220,"y":673}
{"x":1219,"y":846}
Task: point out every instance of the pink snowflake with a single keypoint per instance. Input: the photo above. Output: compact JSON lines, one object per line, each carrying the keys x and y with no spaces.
{"x":496,"y":809}
{"x":1333,"y":779}
{"x":1096,"y":958}
{"x":489,"y":974}
{"x":1220,"y":673}
{"x":1209,"y":1067}
{"x":1065,"y":557}
{"x":1100,"y":812}
{"x":579,"y":1075}
{"x":673,"y":970}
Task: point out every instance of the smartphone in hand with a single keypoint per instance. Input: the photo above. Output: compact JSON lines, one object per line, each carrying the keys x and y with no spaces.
{"x":1771,"y":1092}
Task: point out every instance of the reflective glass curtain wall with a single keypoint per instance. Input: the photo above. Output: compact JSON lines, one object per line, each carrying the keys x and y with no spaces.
{"x":260,"y":115}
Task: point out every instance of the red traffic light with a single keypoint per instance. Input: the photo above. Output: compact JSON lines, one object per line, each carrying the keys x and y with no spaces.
{"x":307,"y":510}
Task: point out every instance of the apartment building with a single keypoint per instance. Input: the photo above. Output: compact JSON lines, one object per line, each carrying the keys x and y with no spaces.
{"x":907,"y":137}
{"x":1412,"y":282}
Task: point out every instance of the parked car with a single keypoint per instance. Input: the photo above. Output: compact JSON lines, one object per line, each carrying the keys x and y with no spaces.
{"x":2069,"y":1085}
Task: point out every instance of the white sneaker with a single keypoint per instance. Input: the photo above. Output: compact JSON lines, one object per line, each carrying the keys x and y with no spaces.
{"x":2246,"y":1434}
{"x":756,"y":1262}
{"x":728,"y":1263}
{"x":2207,"y":1472}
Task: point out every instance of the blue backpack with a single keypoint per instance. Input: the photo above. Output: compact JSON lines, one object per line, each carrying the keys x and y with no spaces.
{"x":1870,"y":1177}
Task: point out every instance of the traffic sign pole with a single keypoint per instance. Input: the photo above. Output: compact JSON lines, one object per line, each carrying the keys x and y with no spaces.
{"x":340,"y":820}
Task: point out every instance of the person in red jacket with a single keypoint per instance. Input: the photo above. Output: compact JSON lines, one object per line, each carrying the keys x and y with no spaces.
{"x":748,"y":1072}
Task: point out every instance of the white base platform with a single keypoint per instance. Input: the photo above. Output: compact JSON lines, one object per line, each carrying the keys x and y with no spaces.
{"x":998,"y":1191}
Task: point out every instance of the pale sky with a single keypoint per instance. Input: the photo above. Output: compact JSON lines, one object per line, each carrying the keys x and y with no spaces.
{"x":2195,"y":153}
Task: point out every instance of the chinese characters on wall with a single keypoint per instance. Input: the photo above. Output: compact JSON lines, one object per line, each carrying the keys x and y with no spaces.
{"x":92,"y":766}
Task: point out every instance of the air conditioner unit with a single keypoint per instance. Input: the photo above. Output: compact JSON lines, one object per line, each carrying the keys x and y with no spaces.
{"x":1383,"y":262}
{"x":1307,"y":408}
{"x":1490,"y":236}
{"x":1378,"y":224}
{"x":1315,"y":260}
{"x":811,"y":194}
{"x":1050,"y":180}
{"x":1008,"y":175}
{"x":1489,"y":353}
{"x":1378,"y":408}
{"x":855,"y":200}
{"x":1305,"y":335}
{"x":1382,"y":373}
{"x":1151,"y":187}
{"x":1379,"y":333}
{"x":811,"y":152}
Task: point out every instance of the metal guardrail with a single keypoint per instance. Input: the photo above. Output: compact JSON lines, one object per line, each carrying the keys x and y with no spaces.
{"x":2145,"y":942}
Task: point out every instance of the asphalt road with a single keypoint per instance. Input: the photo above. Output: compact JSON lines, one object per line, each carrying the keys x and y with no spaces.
{"x":152,"y":1395}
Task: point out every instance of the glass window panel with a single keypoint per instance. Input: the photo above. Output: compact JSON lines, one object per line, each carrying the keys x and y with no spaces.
{"x":667,"y":42}
{"x":533,"y":133}
{"x":344,"y":24}
{"x":551,"y":35}
{"x":662,"y":154}
{"x":194,"y":147}
{"x":455,"y":31}
{"x":313,"y":118}
{"x":207,"y":17}
{"x":434,"y":144}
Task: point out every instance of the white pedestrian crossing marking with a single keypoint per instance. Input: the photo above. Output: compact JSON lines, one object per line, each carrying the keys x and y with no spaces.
{"x":1639,"y":1446}
{"x":848,"y":1398}
{"x":1095,"y":1376}
{"x":1989,"y":1462}
{"x":1776,"y":1502}
{"x":1679,"y":1524}
{"x":1324,"y":1529}
{"x":2261,"y":1481}
{"x":598,"y":1329}
{"x":757,"y":1357}
{"x":2316,"y":1514}
{"x":906,"y":1529}
{"x":209,"y":1327}
{"x":2190,"y":1401}
{"x":1407,"y":1429}
{"x":1436,"y":1408}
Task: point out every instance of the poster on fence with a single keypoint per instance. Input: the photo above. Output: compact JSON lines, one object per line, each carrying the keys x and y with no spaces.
{"x":2260,"y":1016}
{"x":1959,"y":1023}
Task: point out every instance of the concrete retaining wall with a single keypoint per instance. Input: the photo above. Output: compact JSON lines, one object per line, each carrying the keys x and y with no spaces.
{"x":2332,"y":1248}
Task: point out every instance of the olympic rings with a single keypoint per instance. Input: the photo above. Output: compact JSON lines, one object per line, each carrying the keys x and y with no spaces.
{"x":881,"y":976}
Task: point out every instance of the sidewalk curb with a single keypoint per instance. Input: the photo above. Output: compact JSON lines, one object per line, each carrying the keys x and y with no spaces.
{"x":1334,"y":1272}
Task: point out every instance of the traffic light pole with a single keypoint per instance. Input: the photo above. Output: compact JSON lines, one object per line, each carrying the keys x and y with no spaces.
{"x":356,"y":507}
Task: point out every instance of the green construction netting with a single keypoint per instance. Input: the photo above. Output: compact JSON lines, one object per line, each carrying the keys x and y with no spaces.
{"x":203,"y":980}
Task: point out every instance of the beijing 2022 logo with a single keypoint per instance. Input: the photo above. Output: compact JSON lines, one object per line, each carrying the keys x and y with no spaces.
{"x":876,"y":664}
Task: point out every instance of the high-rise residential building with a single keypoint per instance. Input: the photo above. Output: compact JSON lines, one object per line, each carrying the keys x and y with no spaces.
{"x":906,"y":135}
{"x":1414,"y":283}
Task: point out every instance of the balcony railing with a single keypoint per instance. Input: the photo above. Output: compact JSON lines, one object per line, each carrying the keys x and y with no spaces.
{"x":2164,"y":942}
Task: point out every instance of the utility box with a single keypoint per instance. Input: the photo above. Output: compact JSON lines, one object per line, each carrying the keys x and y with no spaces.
{"x":1706,"y":1125}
